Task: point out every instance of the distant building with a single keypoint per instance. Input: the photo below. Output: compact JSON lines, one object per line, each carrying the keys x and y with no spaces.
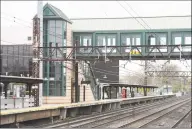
{"x":16,"y":60}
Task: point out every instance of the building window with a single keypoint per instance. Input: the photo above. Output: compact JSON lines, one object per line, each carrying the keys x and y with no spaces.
{"x":157,"y":39}
{"x":187,"y":41}
{"x":84,"y":40}
{"x":176,"y":40}
{"x":130,"y":40}
{"x":106,"y":40}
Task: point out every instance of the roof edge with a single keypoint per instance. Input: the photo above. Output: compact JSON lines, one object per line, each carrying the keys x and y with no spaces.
{"x":128,"y":17}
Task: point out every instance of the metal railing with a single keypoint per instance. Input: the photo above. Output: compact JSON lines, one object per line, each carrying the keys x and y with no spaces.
{"x":17,"y":103}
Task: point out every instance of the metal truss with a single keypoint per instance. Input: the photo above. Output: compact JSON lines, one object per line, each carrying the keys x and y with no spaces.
{"x":88,"y":52}
{"x":169,"y":73}
{"x":36,"y":53}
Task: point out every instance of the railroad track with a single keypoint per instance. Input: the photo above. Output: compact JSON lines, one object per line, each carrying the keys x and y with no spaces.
{"x":102,"y":119}
{"x":184,"y":122}
{"x":93,"y":118}
{"x":163,"y":118}
{"x":128,"y":120}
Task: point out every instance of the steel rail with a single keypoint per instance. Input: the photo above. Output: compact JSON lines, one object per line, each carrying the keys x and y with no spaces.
{"x":93,"y":118}
{"x":80,"y":119}
{"x":159,"y":117}
{"x":180,"y":120}
{"x":159,"y":111}
{"x":118,"y":116}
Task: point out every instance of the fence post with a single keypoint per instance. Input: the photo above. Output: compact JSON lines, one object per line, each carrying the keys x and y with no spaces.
{"x":23,"y":102}
{"x":14,"y":101}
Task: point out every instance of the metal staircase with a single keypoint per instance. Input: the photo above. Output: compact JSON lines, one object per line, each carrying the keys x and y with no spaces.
{"x":89,"y":76}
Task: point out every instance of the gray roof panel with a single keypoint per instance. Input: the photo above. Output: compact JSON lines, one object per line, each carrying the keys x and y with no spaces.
{"x":104,"y":24}
{"x":60,"y":13}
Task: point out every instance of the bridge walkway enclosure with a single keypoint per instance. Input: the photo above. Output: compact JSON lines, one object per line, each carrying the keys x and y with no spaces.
{"x":124,"y":38}
{"x":15,"y":116}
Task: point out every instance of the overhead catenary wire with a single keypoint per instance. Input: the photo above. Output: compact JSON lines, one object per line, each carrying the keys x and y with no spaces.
{"x":17,"y":18}
{"x":136,"y":18}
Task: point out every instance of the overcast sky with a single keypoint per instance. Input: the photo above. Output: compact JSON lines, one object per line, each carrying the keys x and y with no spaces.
{"x":17,"y":31}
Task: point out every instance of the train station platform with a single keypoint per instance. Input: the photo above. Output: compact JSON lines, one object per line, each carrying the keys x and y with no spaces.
{"x":63,"y":111}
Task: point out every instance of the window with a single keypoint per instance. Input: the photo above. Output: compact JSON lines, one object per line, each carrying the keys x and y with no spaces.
{"x":162,"y":41}
{"x":130,"y":40}
{"x":106,"y":40}
{"x":138,"y":41}
{"x":85,"y":40}
{"x":152,"y":41}
{"x":52,"y":69}
{"x":177,"y":40}
{"x":187,"y":41}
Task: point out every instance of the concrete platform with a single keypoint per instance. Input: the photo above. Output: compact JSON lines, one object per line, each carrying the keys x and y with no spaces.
{"x":15,"y":116}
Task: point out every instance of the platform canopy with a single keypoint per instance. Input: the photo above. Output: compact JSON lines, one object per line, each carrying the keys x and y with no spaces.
{"x":128,"y":85}
{"x":17,"y":79}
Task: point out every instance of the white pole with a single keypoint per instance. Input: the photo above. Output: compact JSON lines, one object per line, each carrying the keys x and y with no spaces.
{"x":40,"y":15}
{"x":180,"y":52}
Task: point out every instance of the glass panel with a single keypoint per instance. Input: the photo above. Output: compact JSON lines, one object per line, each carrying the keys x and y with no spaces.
{"x":100,"y":40}
{"x":138,"y":41}
{"x":163,"y":42}
{"x":128,"y":41}
{"x":187,"y":40}
{"x":113,"y":42}
{"x":51,"y":88}
{"x":51,"y":32}
{"x":104,"y":43}
{"x":109,"y":42}
{"x":133,"y":41}
{"x":177,"y":40}
{"x":86,"y":41}
{"x":152,"y":41}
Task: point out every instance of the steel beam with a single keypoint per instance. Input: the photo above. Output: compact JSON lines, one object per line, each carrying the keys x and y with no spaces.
{"x":169,"y":73}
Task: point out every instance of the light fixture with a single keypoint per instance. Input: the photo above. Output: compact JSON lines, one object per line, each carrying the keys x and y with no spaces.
{"x":105,"y":76}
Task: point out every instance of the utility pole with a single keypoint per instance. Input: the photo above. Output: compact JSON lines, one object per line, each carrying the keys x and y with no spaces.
{"x":40,"y":16}
{"x":76,"y":83}
{"x":145,"y":80}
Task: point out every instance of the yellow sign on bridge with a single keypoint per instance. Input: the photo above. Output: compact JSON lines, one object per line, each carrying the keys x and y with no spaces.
{"x":135,"y":52}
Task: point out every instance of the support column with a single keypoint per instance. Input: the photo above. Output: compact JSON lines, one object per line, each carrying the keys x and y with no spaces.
{"x":98,"y":94}
{"x":145,"y":80}
{"x":76,"y":82}
{"x":116,"y":92}
{"x":83,"y":93}
{"x":110,"y":92}
{"x":103,"y":92}
{"x":30,"y":87}
{"x":145,"y":91}
{"x":5,"y":89}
